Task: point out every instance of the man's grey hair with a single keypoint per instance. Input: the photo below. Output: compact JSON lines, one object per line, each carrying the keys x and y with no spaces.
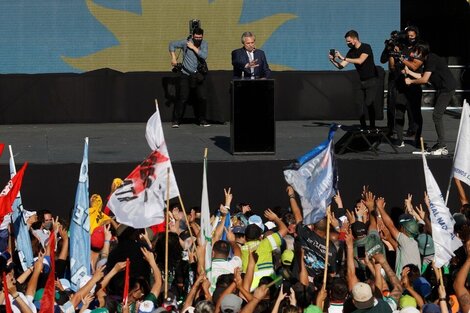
{"x":247,"y":34}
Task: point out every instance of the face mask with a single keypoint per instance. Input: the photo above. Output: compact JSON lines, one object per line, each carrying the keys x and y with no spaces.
{"x":412,"y":41}
{"x":48,"y":225}
{"x":197,"y":42}
{"x":350,"y":45}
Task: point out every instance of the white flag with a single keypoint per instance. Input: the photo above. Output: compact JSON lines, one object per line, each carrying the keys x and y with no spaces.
{"x":462,"y":149}
{"x":139,"y":202}
{"x":206,"y":227}
{"x":445,"y":241}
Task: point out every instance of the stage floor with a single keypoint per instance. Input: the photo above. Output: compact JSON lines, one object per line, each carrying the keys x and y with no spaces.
{"x":118,"y":143}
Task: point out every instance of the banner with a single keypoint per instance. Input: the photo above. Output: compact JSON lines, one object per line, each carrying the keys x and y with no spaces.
{"x":80,"y":264}
{"x":139,"y":202}
{"x":445,"y":241}
{"x":314,"y":178}
{"x":9,"y":192}
{"x":206,"y":227}
{"x":21,"y":232}
{"x":462,"y":149}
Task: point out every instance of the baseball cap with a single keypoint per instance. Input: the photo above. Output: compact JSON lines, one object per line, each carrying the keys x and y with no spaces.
{"x":362,"y":295}
{"x":373,"y":244}
{"x":239,"y":230}
{"x":407,"y":301}
{"x":146,"y":307}
{"x":256,"y":219}
{"x":409,"y":310}
{"x":425,"y":244}
{"x":409,"y":224}
{"x":270,"y":225}
{"x":231,"y":302}
{"x":358,"y":229}
{"x":431,"y":308}
{"x":313,"y":309}
{"x":97,"y":238}
{"x":422,"y":286}
{"x":287,"y":256}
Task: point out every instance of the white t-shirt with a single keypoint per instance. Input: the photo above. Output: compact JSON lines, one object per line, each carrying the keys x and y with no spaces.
{"x":221,"y":267}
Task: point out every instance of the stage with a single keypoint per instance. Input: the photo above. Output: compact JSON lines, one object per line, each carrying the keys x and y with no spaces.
{"x":54,"y":153}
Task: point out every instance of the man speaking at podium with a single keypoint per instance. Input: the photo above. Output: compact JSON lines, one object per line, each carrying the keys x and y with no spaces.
{"x":249,"y":62}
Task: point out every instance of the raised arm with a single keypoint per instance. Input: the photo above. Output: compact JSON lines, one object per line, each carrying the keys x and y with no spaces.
{"x":462,"y":196}
{"x":282,"y":228}
{"x":381,"y":213}
{"x":351,"y":269}
{"x":459,"y":283}
{"x":392,"y":277}
{"x":293,"y":205}
{"x":157,"y":275}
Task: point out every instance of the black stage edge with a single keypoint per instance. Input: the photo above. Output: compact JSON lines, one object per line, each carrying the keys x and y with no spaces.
{"x":258,"y":182}
{"x":108,"y":96}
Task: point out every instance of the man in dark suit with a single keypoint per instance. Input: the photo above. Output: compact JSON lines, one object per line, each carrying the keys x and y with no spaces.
{"x":249,"y":62}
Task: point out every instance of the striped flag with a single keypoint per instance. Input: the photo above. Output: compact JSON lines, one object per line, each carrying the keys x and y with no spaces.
{"x":206,"y":227}
{"x":314,"y":178}
{"x":442,"y":222}
{"x":80,"y":263}
{"x":23,"y":241}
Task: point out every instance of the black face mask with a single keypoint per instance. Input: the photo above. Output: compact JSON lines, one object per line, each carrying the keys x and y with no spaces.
{"x":412,"y":42}
{"x":197,"y":42}
{"x":350,"y":45}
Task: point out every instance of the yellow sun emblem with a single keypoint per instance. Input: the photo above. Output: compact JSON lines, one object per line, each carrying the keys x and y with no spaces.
{"x":143,"y":38}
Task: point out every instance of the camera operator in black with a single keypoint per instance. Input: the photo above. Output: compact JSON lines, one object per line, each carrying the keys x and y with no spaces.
{"x":391,"y":47}
{"x":360,"y":54}
{"x":195,"y":51}
{"x":438,"y":74}
{"x":408,"y":98}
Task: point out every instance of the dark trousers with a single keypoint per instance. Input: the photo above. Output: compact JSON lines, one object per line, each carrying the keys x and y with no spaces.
{"x":366,"y":96}
{"x":187,"y":84}
{"x":391,"y":105}
{"x":443,"y":99}
{"x":408,"y":98}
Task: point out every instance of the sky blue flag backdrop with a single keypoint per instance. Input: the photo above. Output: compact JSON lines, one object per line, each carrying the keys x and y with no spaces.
{"x":314,"y":178}
{"x":23,"y":241}
{"x":80,"y":227}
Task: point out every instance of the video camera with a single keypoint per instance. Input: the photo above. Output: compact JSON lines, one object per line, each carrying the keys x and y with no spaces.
{"x":192,"y":25}
{"x":397,"y":39}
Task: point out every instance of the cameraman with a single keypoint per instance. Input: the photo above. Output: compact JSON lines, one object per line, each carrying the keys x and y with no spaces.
{"x":195,"y":51}
{"x":407,"y":98}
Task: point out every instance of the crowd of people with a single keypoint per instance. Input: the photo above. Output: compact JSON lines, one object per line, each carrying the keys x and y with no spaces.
{"x":362,"y":257}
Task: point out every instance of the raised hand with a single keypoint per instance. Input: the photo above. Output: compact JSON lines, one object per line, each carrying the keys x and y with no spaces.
{"x":338,"y":200}
{"x":228,"y":196}
{"x":270,"y":215}
{"x":369,"y":200}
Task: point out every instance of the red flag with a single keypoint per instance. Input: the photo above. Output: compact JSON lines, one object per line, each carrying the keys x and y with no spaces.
{"x":1,"y":148}
{"x":8,"y":194}
{"x":5,"y":289}
{"x":126,"y":284}
{"x":48,"y":298}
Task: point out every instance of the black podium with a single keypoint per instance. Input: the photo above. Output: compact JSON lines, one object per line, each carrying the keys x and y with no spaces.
{"x":252,"y":126}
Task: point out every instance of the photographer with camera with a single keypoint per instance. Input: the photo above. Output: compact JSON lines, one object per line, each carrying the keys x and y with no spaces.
{"x":192,"y":71}
{"x":360,"y":54}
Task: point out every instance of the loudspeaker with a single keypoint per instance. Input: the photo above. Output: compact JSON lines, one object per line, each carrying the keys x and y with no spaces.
{"x":252,"y":128}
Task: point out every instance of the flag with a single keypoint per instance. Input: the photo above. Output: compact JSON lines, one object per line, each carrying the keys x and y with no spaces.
{"x":8,"y":194}
{"x":206,"y":227}
{"x":125,"y":294}
{"x":80,"y":228}
{"x":314,"y":178}
{"x":23,"y":241}
{"x":2,"y":145}
{"x":139,"y":202}
{"x":5,"y":292}
{"x":462,"y":149}
{"x":48,"y":297}
{"x":445,"y":241}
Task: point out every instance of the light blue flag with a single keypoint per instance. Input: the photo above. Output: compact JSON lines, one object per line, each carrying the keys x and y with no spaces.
{"x":80,"y":228}
{"x":314,"y":178}
{"x":23,"y":241}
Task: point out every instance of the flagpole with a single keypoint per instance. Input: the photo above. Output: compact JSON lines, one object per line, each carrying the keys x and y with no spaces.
{"x":325,"y":272}
{"x":166,"y":230}
{"x":187,"y":220}
{"x":453,"y":159}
